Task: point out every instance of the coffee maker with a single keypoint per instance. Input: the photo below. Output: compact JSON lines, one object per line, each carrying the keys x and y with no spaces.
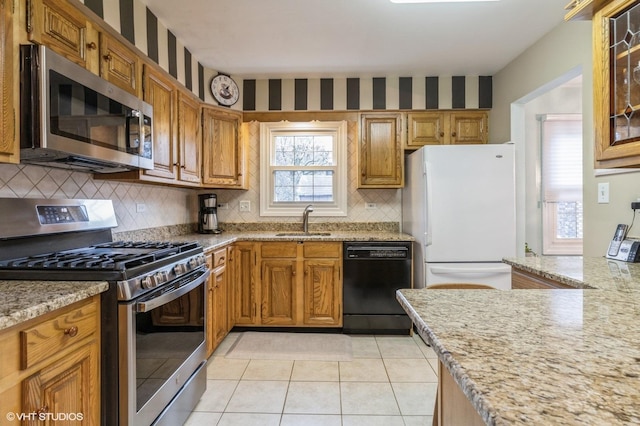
{"x":208,"y":214}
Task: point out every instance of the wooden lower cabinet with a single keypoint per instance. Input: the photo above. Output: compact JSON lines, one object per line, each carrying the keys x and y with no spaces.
{"x":525,"y":280}
{"x":218,"y":298}
{"x":245,"y":288}
{"x":300,"y":284}
{"x":453,"y":408}
{"x":51,"y":366}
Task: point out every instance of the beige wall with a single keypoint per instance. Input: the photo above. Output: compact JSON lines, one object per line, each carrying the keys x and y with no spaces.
{"x":563,"y":52}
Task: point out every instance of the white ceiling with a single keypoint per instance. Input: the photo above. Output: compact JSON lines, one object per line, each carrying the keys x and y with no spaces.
{"x":332,"y":38}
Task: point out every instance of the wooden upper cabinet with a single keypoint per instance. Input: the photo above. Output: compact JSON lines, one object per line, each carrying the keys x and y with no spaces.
{"x":380,"y":155}
{"x":223,"y":149}
{"x":616,"y":81}
{"x":62,"y":27}
{"x":8,"y":143}
{"x":447,"y":128}
{"x":120,"y":65}
{"x":189,"y":138}
{"x":583,"y":9}
{"x":162,"y":95}
{"x":469,"y":127}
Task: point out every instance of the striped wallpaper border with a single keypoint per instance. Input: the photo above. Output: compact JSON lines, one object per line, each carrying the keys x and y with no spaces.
{"x":139,"y":25}
{"x":380,"y":93}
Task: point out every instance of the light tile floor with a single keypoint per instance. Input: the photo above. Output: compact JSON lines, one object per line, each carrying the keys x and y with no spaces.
{"x":390,"y":381}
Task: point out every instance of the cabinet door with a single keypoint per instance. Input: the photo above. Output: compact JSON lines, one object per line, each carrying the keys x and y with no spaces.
{"x":189,"y":139}
{"x":425,"y":129}
{"x":70,"y":385}
{"x":161,"y":94}
{"x":219,"y":296}
{"x":616,"y":85}
{"x":8,"y":143}
{"x":120,"y":65}
{"x":278,"y":279}
{"x":223,"y":153}
{"x":381,"y":160}
{"x":469,"y":128}
{"x":322,"y":292}
{"x":63,"y":28}
{"x":245,"y":289}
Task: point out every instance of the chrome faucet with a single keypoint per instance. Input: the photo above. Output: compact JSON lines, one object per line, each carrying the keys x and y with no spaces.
{"x":305,"y":218}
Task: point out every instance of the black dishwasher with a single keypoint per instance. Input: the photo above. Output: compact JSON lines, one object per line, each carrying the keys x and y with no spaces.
{"x":373,"y":271}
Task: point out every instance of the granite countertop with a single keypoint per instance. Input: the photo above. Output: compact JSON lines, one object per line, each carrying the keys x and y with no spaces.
{"x":582,"y":272}
{"x":23,"y":300}
{"x":537,"y":357}
{"x":214,"y":241}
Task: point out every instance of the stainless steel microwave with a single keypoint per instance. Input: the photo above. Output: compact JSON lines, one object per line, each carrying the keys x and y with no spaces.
{"x":71,"y":118}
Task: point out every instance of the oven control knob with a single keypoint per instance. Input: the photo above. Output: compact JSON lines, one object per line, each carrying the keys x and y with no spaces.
{"x":160,"y":277}
{"x":180,"y":269}
{"x":193,"y":263}
{"x":148,"y":282}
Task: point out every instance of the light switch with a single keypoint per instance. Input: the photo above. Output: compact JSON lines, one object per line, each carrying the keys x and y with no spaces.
{"x":603,"y":193}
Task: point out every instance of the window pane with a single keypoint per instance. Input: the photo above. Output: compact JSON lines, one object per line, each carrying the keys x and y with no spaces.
{"x":299,"y":186}
{"x":304,"y":150}
{"x":569,"y":222}
{"x":284,"y":183}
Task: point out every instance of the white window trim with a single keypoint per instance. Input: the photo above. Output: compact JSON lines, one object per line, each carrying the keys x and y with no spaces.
{"x":336,"y":208}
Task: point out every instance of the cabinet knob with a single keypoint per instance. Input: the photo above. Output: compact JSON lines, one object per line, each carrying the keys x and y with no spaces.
{"x":441,"y":134}
{"x":107,"y":57}
{"x":43,"y":410}
{"x":71,"y":331}
{"x":453,"y":134}
{"x":92,"y":45}
{"x":176,"y":164}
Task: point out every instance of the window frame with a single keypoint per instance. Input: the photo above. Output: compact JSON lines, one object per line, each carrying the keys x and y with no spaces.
{"x":268,"y":132}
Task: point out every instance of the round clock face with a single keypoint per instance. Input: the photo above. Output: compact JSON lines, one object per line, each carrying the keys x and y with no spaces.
{"x":224,"y":90}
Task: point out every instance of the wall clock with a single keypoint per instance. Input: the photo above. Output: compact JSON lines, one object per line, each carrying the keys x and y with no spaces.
{"x":224,"y":90}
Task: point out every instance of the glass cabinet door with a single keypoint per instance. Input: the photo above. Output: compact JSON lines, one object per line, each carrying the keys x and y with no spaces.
{"x":616,"y":84}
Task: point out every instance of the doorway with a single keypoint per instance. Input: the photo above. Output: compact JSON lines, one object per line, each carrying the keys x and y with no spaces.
{"x":561,"y":96}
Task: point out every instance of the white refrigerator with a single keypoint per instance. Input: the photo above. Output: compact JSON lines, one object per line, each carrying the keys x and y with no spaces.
{"x":459,"y":203}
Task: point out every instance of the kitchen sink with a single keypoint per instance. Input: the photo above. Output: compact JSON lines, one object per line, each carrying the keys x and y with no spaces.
{"x":303,"y":234}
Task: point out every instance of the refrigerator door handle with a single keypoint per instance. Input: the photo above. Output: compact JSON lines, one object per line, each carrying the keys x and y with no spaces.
{"x":426,"y":172}
{"x":483,"y":271}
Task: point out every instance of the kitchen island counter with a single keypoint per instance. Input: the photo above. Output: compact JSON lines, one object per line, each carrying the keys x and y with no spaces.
{"x":536,"y":356}
{"x":582,"y":272}
{"x":23,"y":300}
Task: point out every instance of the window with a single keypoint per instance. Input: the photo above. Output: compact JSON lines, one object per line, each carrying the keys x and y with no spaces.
{"x":562,"y":215}
{"x":302,"y":164}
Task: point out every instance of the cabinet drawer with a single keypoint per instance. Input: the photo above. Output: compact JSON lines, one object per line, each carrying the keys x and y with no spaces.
{"x":59,"y":333}
{"x":328,"y":250}
{"x":279,"y":250}
{"x":219,"y":257}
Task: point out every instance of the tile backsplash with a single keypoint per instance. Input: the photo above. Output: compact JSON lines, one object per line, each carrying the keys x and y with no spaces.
{"x":167,"y":206}
{"x":163,"y":206}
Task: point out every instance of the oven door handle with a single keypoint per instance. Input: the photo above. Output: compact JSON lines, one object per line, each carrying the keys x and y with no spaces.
{"x":163,"y":299}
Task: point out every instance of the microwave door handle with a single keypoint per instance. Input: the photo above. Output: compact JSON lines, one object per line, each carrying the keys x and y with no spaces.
{"x":163,"y":299}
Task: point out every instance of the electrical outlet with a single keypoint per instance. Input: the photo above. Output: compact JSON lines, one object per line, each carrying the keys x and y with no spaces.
{"x":223,"y":206}
{"x":141,"y":207}
{"x":370,"y":206}
{"x":245,"y":206}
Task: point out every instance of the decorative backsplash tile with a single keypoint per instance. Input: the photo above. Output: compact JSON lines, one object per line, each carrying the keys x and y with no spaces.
{"x":163,"y":206}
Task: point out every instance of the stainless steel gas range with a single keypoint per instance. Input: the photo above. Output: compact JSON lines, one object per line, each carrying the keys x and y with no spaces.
{"x":153,"y":328}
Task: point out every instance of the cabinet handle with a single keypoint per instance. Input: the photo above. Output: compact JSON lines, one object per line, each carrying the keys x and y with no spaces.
{"x":293,"y":272}
{"x":43,"y":410}
{"x":92,"y":45}
{"x":107,"y":57}
{"x":71,"y":331}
